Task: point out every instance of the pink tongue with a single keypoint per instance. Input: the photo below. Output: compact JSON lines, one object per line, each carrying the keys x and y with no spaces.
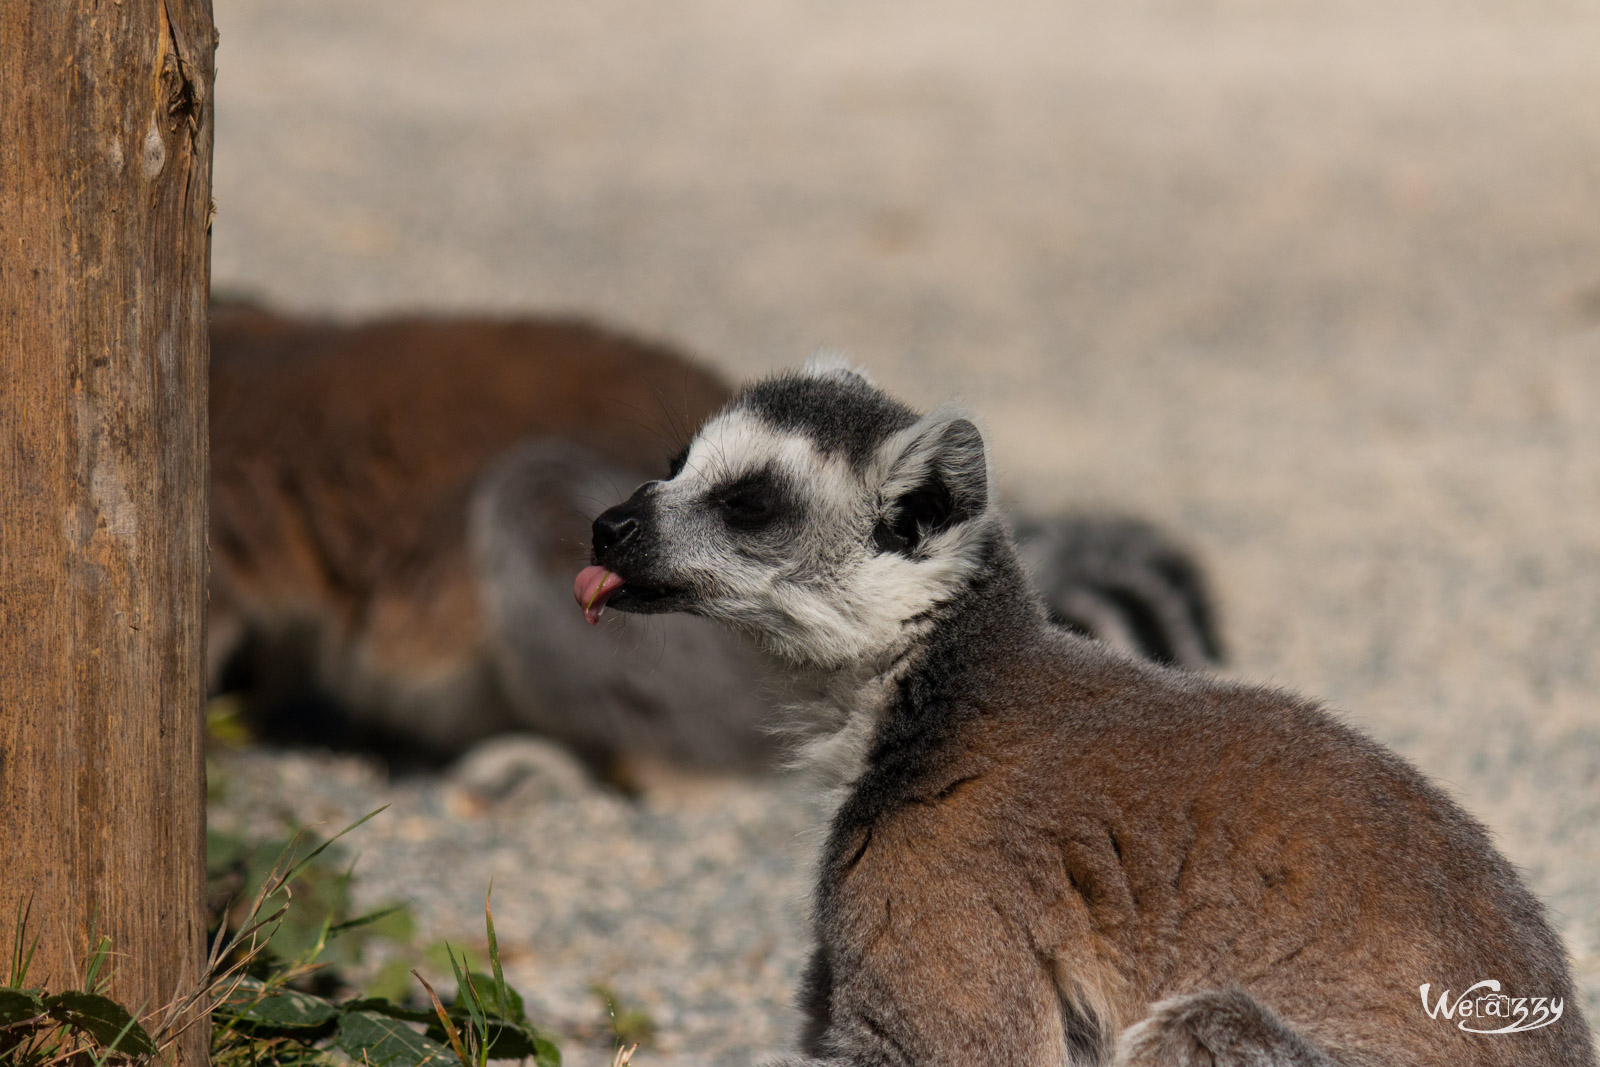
{"x":592,"y":589}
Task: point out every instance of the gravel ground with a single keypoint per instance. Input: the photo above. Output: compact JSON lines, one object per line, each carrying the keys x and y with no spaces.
{"x":686,"y":903}
{"x":1317,"y":285}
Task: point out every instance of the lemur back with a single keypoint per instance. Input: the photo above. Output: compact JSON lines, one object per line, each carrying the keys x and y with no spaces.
{"x":388,"y":497}
{"x":1049,"y":852}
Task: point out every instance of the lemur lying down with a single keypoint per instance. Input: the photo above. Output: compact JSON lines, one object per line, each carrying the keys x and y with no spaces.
{"x":1047,"y":851}
{"x":398,"y":507}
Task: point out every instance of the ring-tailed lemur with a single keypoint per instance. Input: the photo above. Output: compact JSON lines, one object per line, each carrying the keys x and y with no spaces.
{"x":398,"y":506}
{"x":1049,"y":852}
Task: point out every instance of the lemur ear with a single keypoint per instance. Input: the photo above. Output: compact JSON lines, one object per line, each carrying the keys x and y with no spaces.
{"x":938,"y":477}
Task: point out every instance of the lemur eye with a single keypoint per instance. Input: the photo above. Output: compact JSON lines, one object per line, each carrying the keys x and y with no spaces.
{"x":745,"y":506}
{"x":675,"y":467}
{"x":750,"y":502}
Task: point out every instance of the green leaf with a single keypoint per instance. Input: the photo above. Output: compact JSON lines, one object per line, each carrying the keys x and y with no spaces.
{"x":252,"y":1002}
{"x":19,"y":1004}
{"x":501,"y":991}
{"x":21,"y":948}
{"x":368,"y":1037}
{"x":97,"y":960}
{"x":389,"y":1008}
{"x":487,"y":988}
{"x":507,"y":1041}
{"x":504,"y":1041}
{"x":545,"y":1053}
{"x":102,"y":1019}
{"x":467,"y":995}
{"x":393,"y":923}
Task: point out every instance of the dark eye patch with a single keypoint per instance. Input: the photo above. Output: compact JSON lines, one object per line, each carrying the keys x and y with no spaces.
{"x":752,"y":501}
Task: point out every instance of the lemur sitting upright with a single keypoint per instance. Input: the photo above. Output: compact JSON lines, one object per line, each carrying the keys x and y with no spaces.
{"x":1049,"y":852}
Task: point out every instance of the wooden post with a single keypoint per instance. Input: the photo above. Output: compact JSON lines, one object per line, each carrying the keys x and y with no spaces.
{"x":105,"y":197}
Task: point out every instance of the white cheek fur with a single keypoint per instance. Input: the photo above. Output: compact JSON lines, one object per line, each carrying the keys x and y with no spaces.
{"x":863,"y":619}
{"x":834,"y":609}
{"x":828,"y":605}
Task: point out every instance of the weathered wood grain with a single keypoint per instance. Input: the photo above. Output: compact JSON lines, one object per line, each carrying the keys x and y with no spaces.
{"x":105,"y":201}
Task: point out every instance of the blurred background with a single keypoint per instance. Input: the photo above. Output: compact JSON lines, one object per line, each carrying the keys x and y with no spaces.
{"x":1316,"y":286}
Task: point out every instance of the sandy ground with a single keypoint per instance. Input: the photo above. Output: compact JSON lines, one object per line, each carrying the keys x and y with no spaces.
{"x":1317,"y":285}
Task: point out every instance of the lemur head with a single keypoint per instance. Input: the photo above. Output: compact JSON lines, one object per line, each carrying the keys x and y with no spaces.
{"x":814,"y":511}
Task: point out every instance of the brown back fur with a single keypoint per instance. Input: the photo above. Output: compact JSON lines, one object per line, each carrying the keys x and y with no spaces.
{"x":343,"y":461}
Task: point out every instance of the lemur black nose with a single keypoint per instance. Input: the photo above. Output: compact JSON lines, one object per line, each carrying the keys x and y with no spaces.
{"x":614,"y":527}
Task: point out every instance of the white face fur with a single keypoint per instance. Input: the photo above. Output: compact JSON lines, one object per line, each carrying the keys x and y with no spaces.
{"x":829,"y":562}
